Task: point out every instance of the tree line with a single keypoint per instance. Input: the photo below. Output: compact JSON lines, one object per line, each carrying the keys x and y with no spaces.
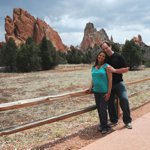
{"x":35,"y":57}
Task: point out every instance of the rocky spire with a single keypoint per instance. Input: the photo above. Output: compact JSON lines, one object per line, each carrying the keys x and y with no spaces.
{"x":92,"y":37}
{"x":24,"y":25}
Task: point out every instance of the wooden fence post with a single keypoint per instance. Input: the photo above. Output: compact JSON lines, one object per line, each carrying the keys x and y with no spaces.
{"x":118,"y":107}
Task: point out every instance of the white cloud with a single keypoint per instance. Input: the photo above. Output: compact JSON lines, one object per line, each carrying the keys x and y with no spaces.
{"x":121,"y":19}
{"x":72,"y":38}
{"x":110,"y":1}
{"x":66,"y":22}
{"x":123,"y":34}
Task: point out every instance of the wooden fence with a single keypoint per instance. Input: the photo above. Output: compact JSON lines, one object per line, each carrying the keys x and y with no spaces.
{"x":50,"y":99}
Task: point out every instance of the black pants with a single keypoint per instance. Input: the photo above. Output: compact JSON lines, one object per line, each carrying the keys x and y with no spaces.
{"x":102,"y":109}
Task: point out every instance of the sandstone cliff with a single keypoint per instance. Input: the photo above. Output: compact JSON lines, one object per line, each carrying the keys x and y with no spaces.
{"x":138,"y":40}
{"x":92,"y":37}
{"x":24,"y":25}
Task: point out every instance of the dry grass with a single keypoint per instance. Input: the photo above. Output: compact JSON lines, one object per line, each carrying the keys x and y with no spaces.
{"x":28,"y":85}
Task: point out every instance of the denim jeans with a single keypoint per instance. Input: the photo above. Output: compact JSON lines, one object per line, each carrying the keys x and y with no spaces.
{"x":102,"y":109}
{"x":120,"y":91}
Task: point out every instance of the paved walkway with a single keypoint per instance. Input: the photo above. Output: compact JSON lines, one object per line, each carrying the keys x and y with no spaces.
{"x":137,"y":138}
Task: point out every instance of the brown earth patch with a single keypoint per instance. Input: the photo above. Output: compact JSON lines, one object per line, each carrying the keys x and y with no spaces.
{"x":88,"y":135}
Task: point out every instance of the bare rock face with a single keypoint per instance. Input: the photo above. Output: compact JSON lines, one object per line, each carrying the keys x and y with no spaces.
{"x":43,"y":29}
{"x":9,"y":25}
{"x":92,"y":37}
{"x":138,"y":40}
{"x":24,"y":25}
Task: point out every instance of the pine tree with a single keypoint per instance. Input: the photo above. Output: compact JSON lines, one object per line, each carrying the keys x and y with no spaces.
{"x":28,"y":58}
{"x":48,"y":54}
{"x":9,"y":54}
{"x":132,"y":53}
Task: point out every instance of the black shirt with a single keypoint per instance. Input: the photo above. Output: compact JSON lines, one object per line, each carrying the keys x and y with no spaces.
{"x":117,"y":61}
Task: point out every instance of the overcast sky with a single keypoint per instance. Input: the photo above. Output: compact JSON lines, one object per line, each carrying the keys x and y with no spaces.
{"x":122,"y":19}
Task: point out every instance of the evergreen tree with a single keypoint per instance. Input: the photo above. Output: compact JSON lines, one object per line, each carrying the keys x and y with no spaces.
{"x":61,"y":57}
{"x":132,"y":53}
{"x":87,"y":57}
{"x":48,"y":54}
{"x":1,"y":54}
{"x":115,"y":47}
{"x":9,"y":54}
{"x":74,"y":56}
{"x":94,"y":53}
{"x":28,"y":58}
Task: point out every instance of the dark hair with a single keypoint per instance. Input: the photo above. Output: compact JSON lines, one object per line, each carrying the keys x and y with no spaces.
{"x":107,"y":42}
{"x":96,"y":60}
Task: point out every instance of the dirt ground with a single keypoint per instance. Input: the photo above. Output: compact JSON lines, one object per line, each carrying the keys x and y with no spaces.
{"x":69,"y":134}
{"x":89,"y":134}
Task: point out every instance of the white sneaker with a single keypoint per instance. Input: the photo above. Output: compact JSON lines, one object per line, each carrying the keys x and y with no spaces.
{"x":129,"y":125}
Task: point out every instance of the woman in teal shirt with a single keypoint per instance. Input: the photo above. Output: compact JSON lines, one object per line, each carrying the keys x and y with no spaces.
{"x":101,"y":87}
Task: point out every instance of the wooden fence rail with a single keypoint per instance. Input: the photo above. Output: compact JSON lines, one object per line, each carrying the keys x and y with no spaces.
{"x":40,"y":100}
{"x":35,"y":101}
{"x":49,"y":99}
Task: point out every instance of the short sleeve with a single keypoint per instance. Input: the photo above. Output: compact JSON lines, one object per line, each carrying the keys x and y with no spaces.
{"x":92,"y":68}
{"x":105,"y":65}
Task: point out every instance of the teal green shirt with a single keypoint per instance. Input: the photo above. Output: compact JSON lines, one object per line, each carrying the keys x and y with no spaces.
{"x":100,"y":79}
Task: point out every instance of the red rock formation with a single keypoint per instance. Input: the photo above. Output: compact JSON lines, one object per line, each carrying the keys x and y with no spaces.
{"x":138,"y":40}
{"x":92,"y":37}
{"x":42,"y":29}
{"x":23,"y":25}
